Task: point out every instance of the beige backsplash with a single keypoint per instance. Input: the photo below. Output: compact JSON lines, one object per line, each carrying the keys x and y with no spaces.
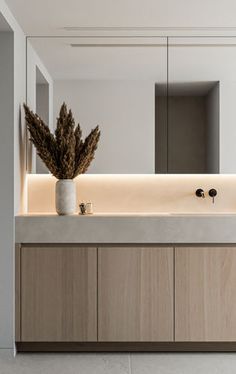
{"x":138,"y":193}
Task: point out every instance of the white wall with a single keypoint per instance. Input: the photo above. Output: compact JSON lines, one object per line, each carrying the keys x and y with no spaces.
{"x":7,"y":185}
{"x":42,"y":109}
{"x":33,"y":62}
{"x":12,"y":169}
{"x":19,"y":97}
{"x":12,"y":164}
{"x":124,"y":111}
{"x":42,"y":101}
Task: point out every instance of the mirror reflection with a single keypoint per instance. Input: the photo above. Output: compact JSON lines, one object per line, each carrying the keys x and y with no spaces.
{"x":110,"y":85}
{"x":163,"y":105}
{"x":202,"y":111}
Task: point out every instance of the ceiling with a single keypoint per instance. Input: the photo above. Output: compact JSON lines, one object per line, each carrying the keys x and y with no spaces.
{"x":46,"y":17}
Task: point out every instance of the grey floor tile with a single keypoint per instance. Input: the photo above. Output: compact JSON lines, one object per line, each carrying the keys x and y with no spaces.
{"x":100,"y":363}
{"x":75,"y":363}
{"x":178,"y":363}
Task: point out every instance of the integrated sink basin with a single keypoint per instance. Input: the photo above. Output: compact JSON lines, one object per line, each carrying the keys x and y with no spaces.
{"x":130,"y":214}
{"x":162,"y":214}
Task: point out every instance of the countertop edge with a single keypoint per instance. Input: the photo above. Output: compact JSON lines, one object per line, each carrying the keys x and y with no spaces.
{"x":185,"y":229}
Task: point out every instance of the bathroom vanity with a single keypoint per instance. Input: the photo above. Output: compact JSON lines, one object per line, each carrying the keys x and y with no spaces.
{"x":129,"y":282}
{"x":170,"y":285}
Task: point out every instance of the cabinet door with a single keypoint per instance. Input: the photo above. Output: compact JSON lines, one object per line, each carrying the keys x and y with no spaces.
{"x":205,"y":294}
{"x":58,"y":294}
{"x":135,"y":294}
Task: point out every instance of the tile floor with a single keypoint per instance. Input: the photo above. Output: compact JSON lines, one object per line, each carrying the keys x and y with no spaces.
{"x":152,"y":363}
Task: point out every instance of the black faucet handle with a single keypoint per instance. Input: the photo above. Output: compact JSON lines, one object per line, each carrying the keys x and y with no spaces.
{"x":200,"y":193}
{"x":212,"y":193}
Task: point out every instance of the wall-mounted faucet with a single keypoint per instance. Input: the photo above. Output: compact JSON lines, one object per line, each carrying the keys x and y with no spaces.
{"x":200,"y":193}
{"x":212,"y":193}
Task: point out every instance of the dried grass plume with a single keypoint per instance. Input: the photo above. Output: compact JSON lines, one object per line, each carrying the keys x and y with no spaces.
{"x":65,"y":153}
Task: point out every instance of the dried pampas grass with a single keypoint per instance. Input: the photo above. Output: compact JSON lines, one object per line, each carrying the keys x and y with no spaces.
{"x":65,"y":153}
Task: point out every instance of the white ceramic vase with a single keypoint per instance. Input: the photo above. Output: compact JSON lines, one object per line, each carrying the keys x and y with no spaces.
{"x":65,"y":197}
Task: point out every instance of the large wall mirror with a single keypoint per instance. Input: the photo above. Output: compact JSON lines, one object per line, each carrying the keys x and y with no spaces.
{"x":164,"y":105}
{"x":110,"y":83}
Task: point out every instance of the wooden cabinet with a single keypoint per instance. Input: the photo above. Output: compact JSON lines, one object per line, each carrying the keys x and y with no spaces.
{"x":205,"y":296}
{"x":126,"y":294}
{"x":135,"y":294}
{"x":58,"y":294}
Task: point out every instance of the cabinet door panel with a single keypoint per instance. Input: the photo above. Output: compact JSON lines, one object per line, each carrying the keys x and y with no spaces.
{"x":135,"y":288}
{"x":58,"y":294}
{"x":205,"y":294}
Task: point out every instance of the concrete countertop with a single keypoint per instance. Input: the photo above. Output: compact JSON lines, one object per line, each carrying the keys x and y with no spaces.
{"x":145,"y":228}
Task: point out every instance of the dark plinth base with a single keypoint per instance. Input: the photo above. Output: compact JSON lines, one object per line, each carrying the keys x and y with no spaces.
{"x":126,"y":347}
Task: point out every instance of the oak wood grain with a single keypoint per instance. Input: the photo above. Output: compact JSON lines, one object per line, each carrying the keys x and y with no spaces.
{"x":205,"y":294}
{"x":58,"y":294}
{"x":135,"y":288}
